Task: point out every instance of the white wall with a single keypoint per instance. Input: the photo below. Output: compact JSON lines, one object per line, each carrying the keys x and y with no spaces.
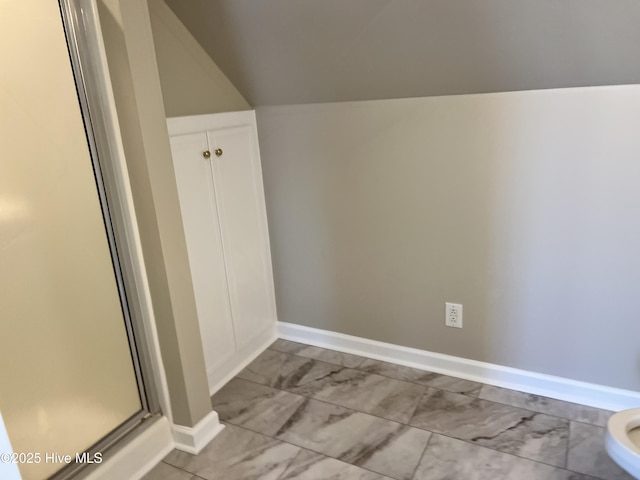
{"x":522,"y":206}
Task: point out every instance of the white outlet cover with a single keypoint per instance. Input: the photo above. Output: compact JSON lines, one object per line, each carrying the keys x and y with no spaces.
{"x":453,"y":315}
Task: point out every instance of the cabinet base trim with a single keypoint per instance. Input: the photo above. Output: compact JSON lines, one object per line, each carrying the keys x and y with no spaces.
{"x":243,"y":357}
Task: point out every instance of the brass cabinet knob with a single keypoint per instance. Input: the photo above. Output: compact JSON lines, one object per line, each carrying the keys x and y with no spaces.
{"x":206,"y":154}
{"x":218,"y":152}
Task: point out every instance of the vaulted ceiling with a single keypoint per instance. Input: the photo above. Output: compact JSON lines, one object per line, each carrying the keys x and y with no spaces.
{"x":306,"y":51}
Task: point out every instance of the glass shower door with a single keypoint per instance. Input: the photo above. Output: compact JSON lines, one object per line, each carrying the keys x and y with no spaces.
{"x":69,"y":375}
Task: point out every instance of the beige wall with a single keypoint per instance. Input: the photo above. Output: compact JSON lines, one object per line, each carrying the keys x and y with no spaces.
{"x":191,"y":82}
{"x":521,"y":206}
{"x":130,"y":53}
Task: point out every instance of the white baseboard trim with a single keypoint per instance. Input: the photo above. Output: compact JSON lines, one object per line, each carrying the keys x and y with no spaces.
{"x":134,"y":459}
{"x":230,"y":368}
{"x":560,"y":388}
{"x":193,"y":439}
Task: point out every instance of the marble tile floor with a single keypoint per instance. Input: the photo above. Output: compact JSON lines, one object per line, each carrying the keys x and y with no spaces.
{"x":305,"y":413}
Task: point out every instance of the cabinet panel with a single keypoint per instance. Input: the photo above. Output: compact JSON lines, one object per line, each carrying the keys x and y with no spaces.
{"x":204,"y":245}
{"x":240,"y":198}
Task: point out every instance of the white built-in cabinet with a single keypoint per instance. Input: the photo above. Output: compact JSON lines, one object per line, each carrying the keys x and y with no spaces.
{"x":217,"y":166}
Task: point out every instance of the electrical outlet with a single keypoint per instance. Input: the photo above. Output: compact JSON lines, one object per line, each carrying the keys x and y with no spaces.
{"x":453,"y":315}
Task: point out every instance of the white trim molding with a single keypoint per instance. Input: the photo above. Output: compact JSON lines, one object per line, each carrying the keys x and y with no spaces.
{"x":193,"y":439}
{"x":137,"y":457}
{"x":221,"y":375}
{"x":560,"y":388}
{"x":211,"y":121}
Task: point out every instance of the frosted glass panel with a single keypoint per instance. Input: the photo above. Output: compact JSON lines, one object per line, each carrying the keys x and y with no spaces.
{"x":67,"y":376}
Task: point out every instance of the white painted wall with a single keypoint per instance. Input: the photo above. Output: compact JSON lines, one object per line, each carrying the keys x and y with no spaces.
{"x":522,"y":206}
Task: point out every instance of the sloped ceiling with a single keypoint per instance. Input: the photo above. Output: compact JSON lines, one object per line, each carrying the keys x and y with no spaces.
{"x":305,"y":51}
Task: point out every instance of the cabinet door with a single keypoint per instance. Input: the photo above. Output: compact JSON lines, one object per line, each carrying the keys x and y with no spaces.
{"x":243,"y":223}
{"x":204,"y":245}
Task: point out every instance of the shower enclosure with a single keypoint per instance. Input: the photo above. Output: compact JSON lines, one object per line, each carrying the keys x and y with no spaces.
{"x":75,"y":375}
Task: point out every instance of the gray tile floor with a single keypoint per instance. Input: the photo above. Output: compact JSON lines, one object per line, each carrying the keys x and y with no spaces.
{"x":306,"y":413}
